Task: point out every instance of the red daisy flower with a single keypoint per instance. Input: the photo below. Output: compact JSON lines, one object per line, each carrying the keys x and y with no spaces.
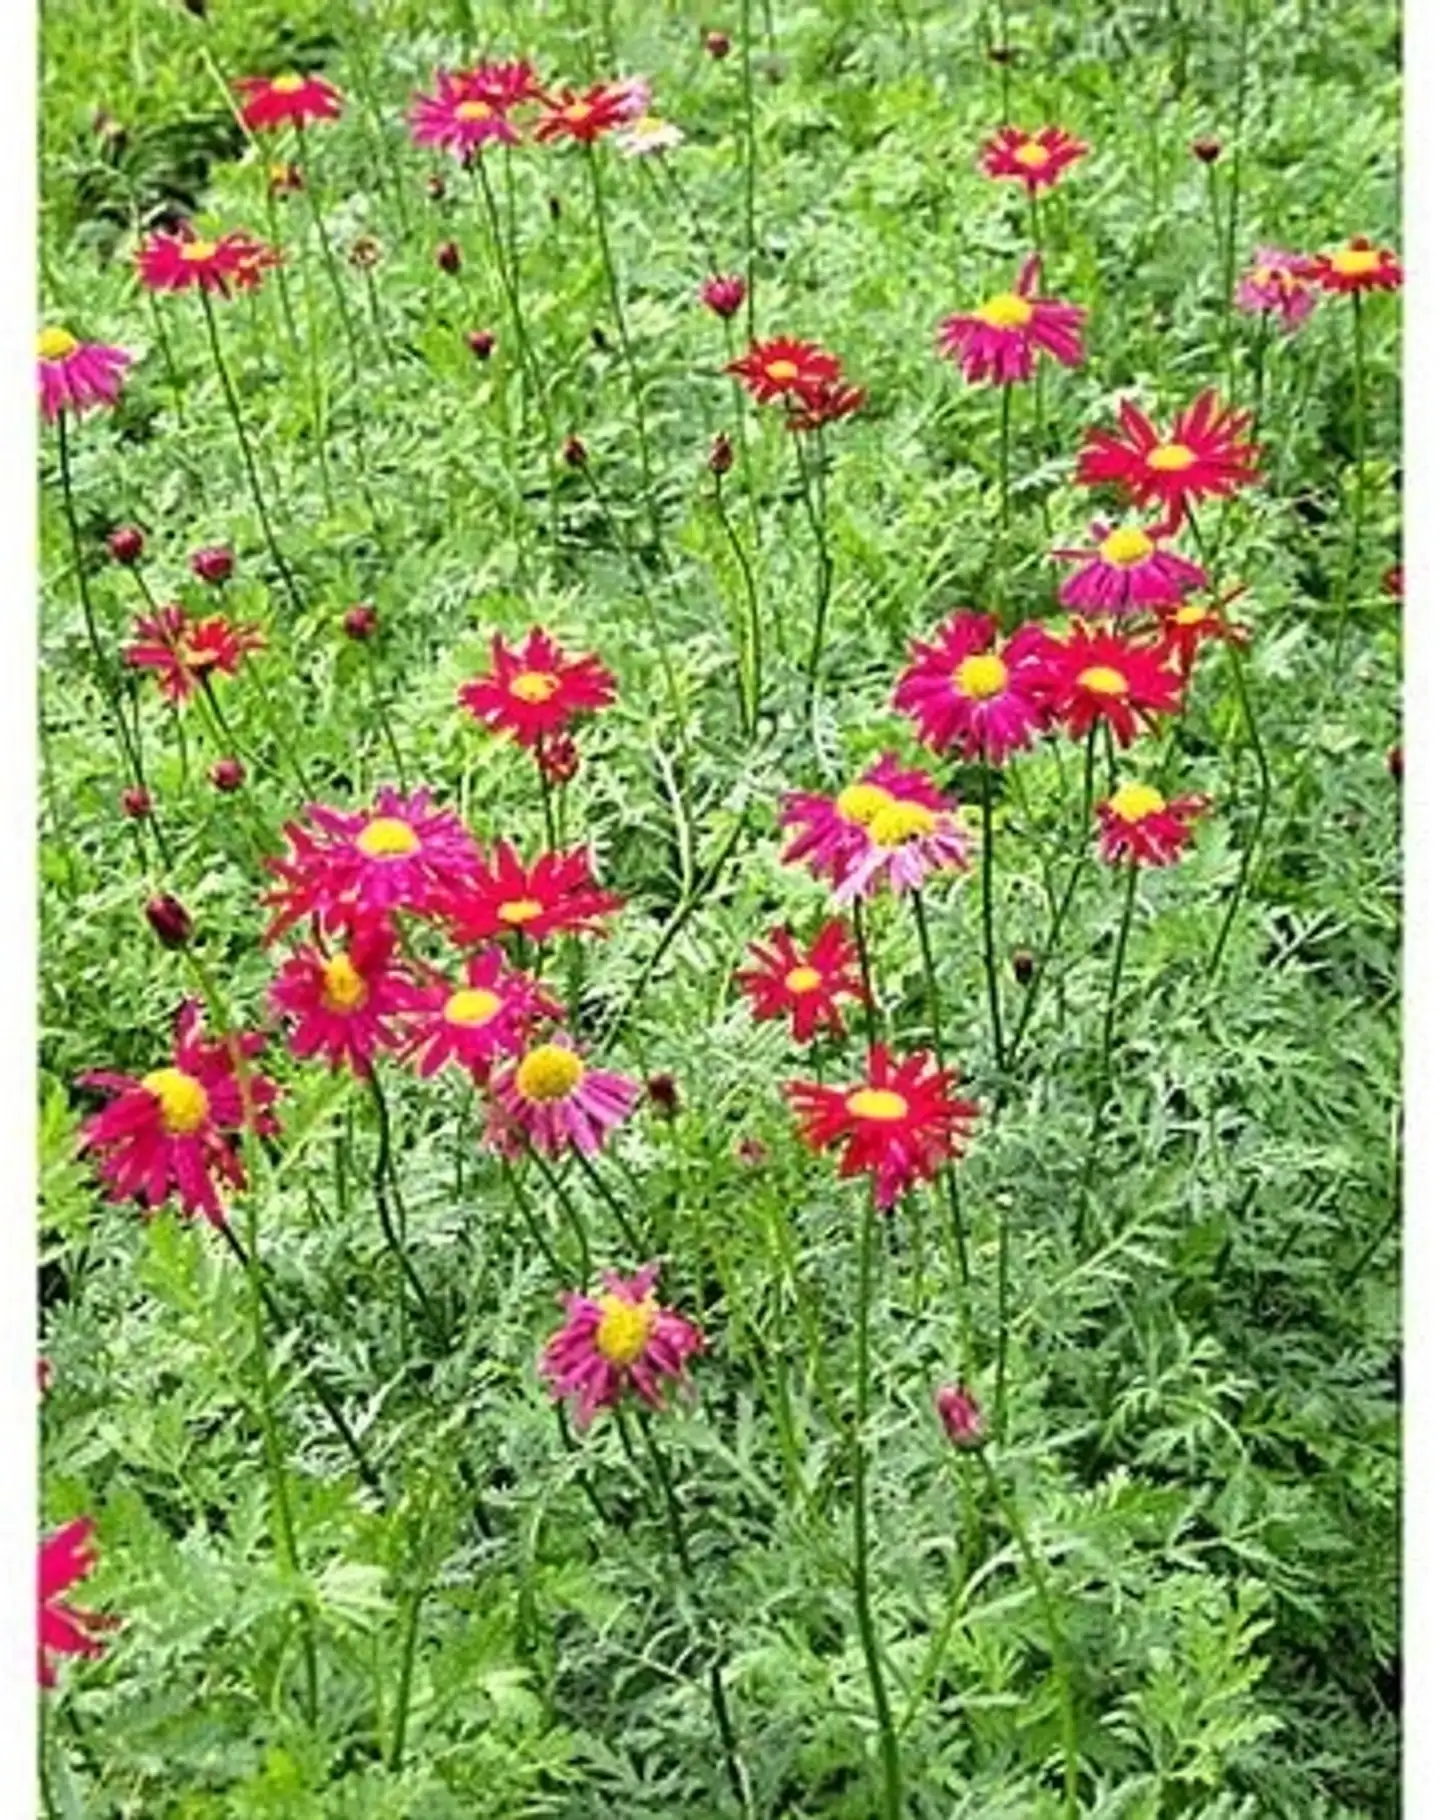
{"x":1126,"y":571}
{"x":1100,"y":675}
{"x":285,"y":100}
{"x":898,"y":1126}
{"x":346,"y":1004}
{"x":1358,"y":266}
{"x":183,"y":651}
{"x":803,"y":984}
{"x":459,"y":117}
{"x":1038,"y":160}
{"x":811,"y":407}
{"x":505,"y":84}
{"x":962,"y":693}
{"x":785,"y":368}
{"x":998,"y":339}
{"x":65,"y":1557}
{"x":1138,"y":827}
{"x":183,"y":261}
{"x":1203,"y":457}
{"x":401,"y":854}
{"x":536,"y":689}
{"x":489,"y":1016}
{"x":558,"y":895}
{"x":172,"y":1132}
{"x":1184,"y":629}
{"x":585,"y":117}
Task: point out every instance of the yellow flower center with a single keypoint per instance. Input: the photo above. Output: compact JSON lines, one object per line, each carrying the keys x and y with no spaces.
{"x":782,"y":371}
{"x":861,"y":803}
{"x":625,"y":1327}
{"x":1190,"y":616}
{"x":577,"y":111}
{"x":647,"y":126}
{"x":195,"y":252}
{"x":1133,"y":802}
{"x":343,"y":989}
{"x":803,"y":979}
{"x":1100,"y":679}
{"x":1007,"y":311}
{"x":1356,"y":261}
{"x":898,"y":822}
{"x":1032,"y":154}
{"x":534,"y":685}
{"x":982,"y":677}
{"x":877,"y":1103}
{"x":471,"y":1005}
{"x":1170,"y":458}
{"x":520,"y":910}
{"x":474,"y":110}
{"x":184,"y":1103}
{"x":1127,"y":546}
{"x":549,"y":1073}
{"x":55,"y":344}
{"x":288,"y":85}
{"x":387,"y":837}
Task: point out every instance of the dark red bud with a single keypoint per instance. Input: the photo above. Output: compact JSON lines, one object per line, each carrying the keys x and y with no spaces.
{"x":213,"y":564}
{"x":136,"y":802}
{"x":435,"y":187}
{"x":1022,"y":965}
{"x":227,"y":774}
{"x":127,"y":544}
{"x":1396,"y":761}
{"x":447,"y":256}
{"x":361,"y":621}
{"x":1206,"y":150}
{"x":717,"y":44}
{"x":722,"y":454}
{"x":574,"y":452}
{"x":664,"y":1094}
{"x":481,"y":343}
{"x":170,"y":920}
{"x":960,"y":1416}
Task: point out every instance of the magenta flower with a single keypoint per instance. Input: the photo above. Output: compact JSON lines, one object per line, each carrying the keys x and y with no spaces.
{"x":552,"y":1099}
{"x":619,"y":1340}
{"x":1276,"y":283}
{"x":345,"y":1004}
{"x":461,"y":116}
{"x":965,"y":694}
{"x":65,"y":1557}
{"x":999,"y":338}
{"x":891,"y":826}
{"x":76,"y":375}
{"x":477,"y":1023}
{"x":723,"y":294}
{"x":960,"y":1416}
{"x":1126,"y":571}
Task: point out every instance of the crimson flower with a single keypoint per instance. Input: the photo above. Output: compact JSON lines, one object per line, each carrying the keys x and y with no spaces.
{"x":803,"y":984}
{"x":1101,"y":675}
{"x":1205,"y":456}
{"x":184,"y":261}
{"x":811,"y":407}
{"x":890,"y":827}
{"x":964,"y":693}
{"x":1139,"y":827}
{"x":286,"y":100}
{"x":723,"y":294}
{"x":346,"y":1003}
{"x":784,"y":368}
{"x":536,"y":689}
{"x":558,"y":895}
{"x":183,"y":652}
{"x":1183,"y":629}
{"x":586,"y":116}
{"x":1357,"y":266}
{"x":474,"y":1024}
{"x":1038,"y":160}
{"x":65,"y":1557}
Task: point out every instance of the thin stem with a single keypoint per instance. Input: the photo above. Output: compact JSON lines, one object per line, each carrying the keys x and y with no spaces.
{"x":382,"y":714}
{"x":862,"y":949}
{"x":1358,"y":496}
{"x":987,"y":911}
{"x":751,"y":658}
{"x":1003,"y":564}
{"x":747,"y":78}
{"x":1107,"y":1037}
{"x":621,"y":1217}
{"x":952,"y":1190}
{"x":407,"y":1669}
{"x":824,"y":568}
{"x":384,"y":1182}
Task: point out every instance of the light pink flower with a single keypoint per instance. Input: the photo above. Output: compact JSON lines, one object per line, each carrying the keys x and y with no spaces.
{"x":1277,"y":283}
{"x":890,"y":827}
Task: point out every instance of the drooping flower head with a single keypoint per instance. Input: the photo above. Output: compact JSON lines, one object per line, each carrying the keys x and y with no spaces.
{"x":1275,"y":284}
{"x":401,"y":854}
{"x":551,"y":1098}
{"x":1205,"y":456}
{"x":185,"y":261}
{"x":347,"y":1002}
{"x":1126,"y":571}
{"x":587,"y":116}
{"x":286,"y":100}
{"x":535,"y":689}
{"x":784,"y":368}
{"x":475,"y":1024}
{"x":998,"y":340}
{"x":184,"y":651}
{"x":965,"y":694}
{"x":1038,"y":160}
{"x":461,"y":115}
{"x":76,"y":375}
{"x":1357,"y":266}
{"x":65,"y":1557}
{"x":899,"y":1125}
{"x":557,"y":895}
{"x":891,"y":826}
{"x":803,"y":984}
{"x":173,"y":1131}
{"x":811,"y":407}
{"x":617,"y":1340}
{"x":1139,"y":827}
{"x":1102,"y":675}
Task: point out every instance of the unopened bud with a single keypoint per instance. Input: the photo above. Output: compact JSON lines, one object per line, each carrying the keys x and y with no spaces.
{"x":227,"y":774}
{"x":126,"y":544}
{"x":722,"y":454}
{"x":574,"y":452}
{"x":170,"y":920}
{"x":136,"y":802}
{"x":481,"y":343}
{"x":717,"y":44}
{"x":1206,"y":150}
{"x":361,"y":621}
{"x":215,"y":563}
{"x":664,"y":1094}
{"x":960,"y":1416}
{"x":447,"y":256}
{"x":1022,"y":965}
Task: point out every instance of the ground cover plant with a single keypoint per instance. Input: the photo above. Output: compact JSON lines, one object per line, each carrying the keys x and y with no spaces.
{"x":719,"y":1035}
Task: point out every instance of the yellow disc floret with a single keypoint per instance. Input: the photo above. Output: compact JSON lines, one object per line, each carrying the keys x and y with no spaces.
{"x":861,"y":803}
{"x":1127,"y":546}
{"x":288,"y":85}
{"x":387,"y":837}
{"x":1356,"y":261}
{"x":534,"y":685}
{"x":1100,"y":679}
{"x":1191,"y":615}
{"x":983,"y":676}
{"x":471,"y":1005}
{"x":625,"y":1327}
{"x":1032,"y":154}
{"x":803,"y":979}
{"x":549,"y":1073}
{"x":782,"y":371}
{"x":343,"y":989}
{"x":195,"y":252}
{"x":55,"y":344}
{"x":474,"y":110}
{"x":1133,"y":802}
{"x":1007,"y":311}
{"x":900,"y":821}
{"x":1170,"y":458}
{"x":877,"y":1103}
{"x":520,"y":910}
{"x":184,"y":1103}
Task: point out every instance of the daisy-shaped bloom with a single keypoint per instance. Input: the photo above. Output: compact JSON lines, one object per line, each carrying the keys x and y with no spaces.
{"x":891,"y":827}
{"x":1275,"y":284}
{"x":965,"y":694}
{"x":65,"y":1557}
{"x":1100,"y":675}
{"x":803,"y":984}
{"x":1126,"y":571}
{"x":620,"y":1339}
{"x":185,"y":261}
{"x":784,"y":367}
{"x":506,"y":85}
{"x":1138,"y":827}
{"x":558,"y":895}
{"x":1184,"y":629}
{"x":1357,"y":266}
{"x":77,"y":375}
{"x":346,"y":1003}
{"x":536,"y":689}
{"x":287,"y":100}
{"x":458,"y":117}
{"x":586,"y":117}
{"x":553,"y":1099}
{"x":811,"y":407}
{"x":899,"y":1125}
{"x":1205,"y":456}
{"x":998,"y":339}
{"x":723,"y":294}
{"x":172,"y":1132}
{"x":647,"y":134}
{"x":1038,"y":160}
{"x":474,"y":1024}
{"x":183,"y":651}
{"x":400,"y":854}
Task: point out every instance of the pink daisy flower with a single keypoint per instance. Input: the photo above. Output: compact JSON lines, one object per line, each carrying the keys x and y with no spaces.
{"x":173,"y":1131}
{"x":346,"y":1004}
{"x":1276,"y":284}
{"x":618,"y":1340}
{"x":475,"y":1024}
{"x":185,"y":261}
{"x":460,"y":116}
{"x":1139,"y":827}
{"x":551,"y":1098}
{"x":77,"y":375}
{"x":891,"y":827}
{"x":999,"y":338}
{"x":963,"y":693}
{"x":65,"y":1557}
{"x":1126,"y":571}
{"x":536,"y":689}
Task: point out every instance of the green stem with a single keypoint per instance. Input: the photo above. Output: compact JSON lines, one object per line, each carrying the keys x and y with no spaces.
{"x":407,"y":1670}
{"x":862,"y":949}
{"x":384,"y":1182}
{"x":751,"y":659}
{"x":1107,"y":1037}
{"x":952,"y":1187}
{"x":824,"y":568}
{"x":1002,"y":586}
{"x":987,"y":910}
{"x":747,"y":78}
{"x":1357,"y":528}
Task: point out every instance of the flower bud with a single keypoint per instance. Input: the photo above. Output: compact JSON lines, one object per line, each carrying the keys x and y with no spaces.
{"x":960,"y":1416}
{"x":559,"y":757}
{"x":285,"y":179}
{"x":361,"y":621}
{"x":364,"y":252}
{"x":1396,"y":762}
{"x":481,"y":343}
{"x":170,"y":920}
{"x":1394,"y":581}
{"x":215,"y":563}
{"x":574,"y":453}
{"x":599,"y":340}
{"x":722,"y":454}
{"x":136,"y":802}
{"x":447,"y":256}
{"x":553,"y":204}
{"x":227,"y":774}
{"x":751,"y":1152}
{"x":435,"y":187}
{"x":664,"y":1094}
{"x":723,"y":293}
{"x":126,"y":544}
{"x":1022,"y":965}
{"x":1001,"y":54}
{"x":717,"y":45}
{"x":1206,"y":150}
